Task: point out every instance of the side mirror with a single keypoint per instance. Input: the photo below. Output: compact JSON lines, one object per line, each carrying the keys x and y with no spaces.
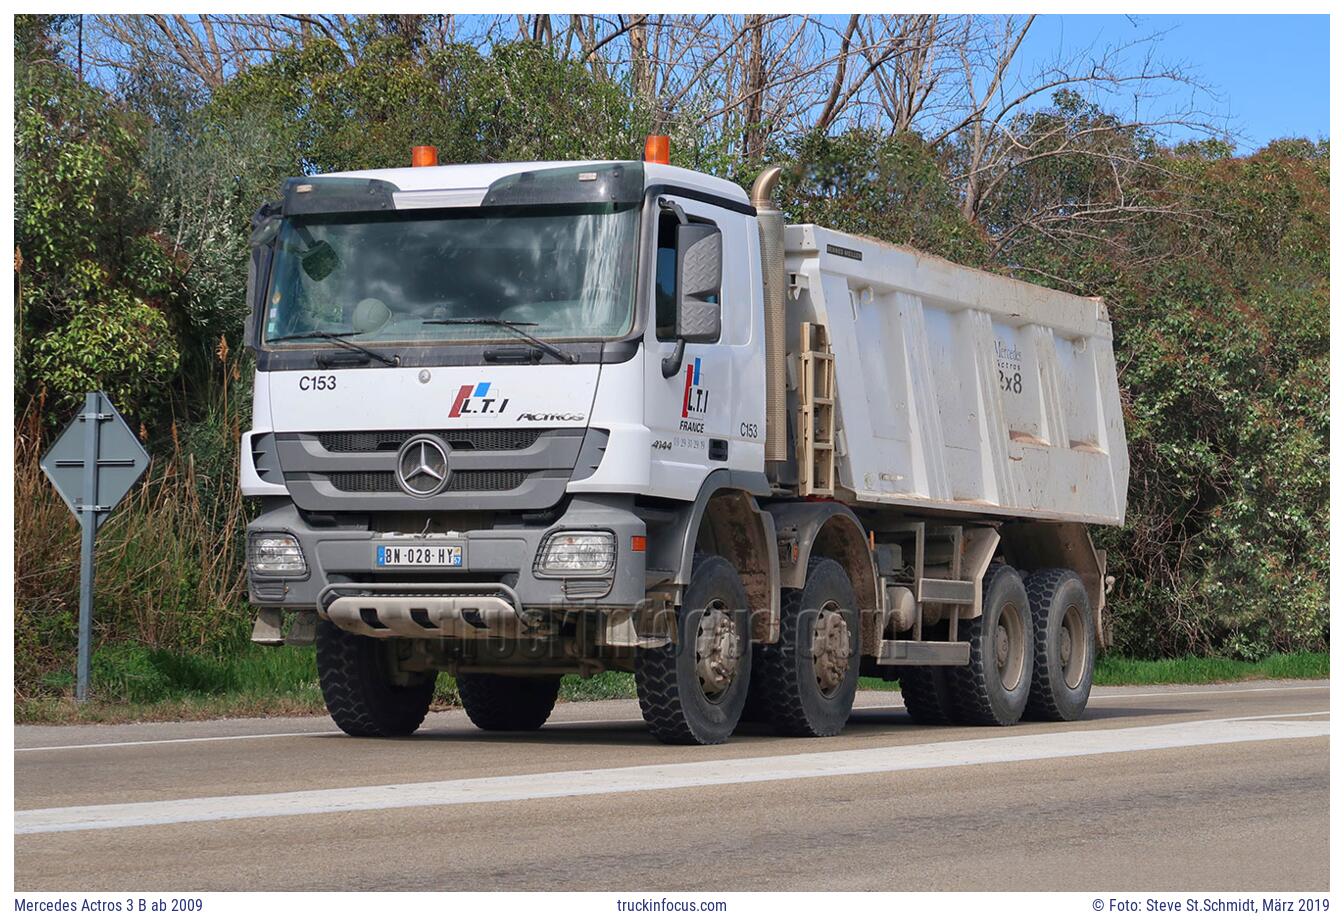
{"x":699,"y":277}
{"x":264,"y":231}
{"x":265,"y":228}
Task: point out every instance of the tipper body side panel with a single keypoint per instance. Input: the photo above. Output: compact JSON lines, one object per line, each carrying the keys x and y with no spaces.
{"x":958,"y":389}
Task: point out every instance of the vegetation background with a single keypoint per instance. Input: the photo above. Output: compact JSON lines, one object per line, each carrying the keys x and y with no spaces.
{"x":144,"y":143}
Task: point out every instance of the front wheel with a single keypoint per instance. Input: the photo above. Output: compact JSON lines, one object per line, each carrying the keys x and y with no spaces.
{"x":366,"y":695}
{"x":693,"y":690}
{"x":505,"y":703}
{"x":804,"y":684}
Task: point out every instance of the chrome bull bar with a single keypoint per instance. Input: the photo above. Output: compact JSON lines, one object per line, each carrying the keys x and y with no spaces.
{"x":420,"y":610}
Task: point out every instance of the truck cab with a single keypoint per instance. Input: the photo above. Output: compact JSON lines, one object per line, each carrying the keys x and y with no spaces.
{"x":519,"y":362}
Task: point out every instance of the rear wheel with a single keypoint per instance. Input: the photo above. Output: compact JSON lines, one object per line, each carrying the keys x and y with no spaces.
{"x":1065,"y":641}
{"x":804,"y":684}
{"x":926,"y":695}
{"x":505,"y":703}
{"x":992,"y":689}
{"x":693,"y":690}
{"x":365,"y":692}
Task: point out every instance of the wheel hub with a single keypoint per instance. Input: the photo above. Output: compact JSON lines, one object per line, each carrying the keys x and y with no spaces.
{"x":830,"y":648}
{"x":1074,"y":653}
{"x":717,"y":651}
{"x":1001,"y":646}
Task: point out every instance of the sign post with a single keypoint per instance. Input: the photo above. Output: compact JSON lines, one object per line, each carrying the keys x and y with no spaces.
{"x":93,"y":464}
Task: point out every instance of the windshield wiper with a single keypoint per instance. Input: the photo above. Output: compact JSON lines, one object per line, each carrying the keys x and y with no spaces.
{"x":515,"y":328}
{"x":340,"y":339}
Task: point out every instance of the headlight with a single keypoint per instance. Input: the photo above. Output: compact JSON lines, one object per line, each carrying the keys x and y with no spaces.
{"x":275,"y":554}
{"x":577,"y":552}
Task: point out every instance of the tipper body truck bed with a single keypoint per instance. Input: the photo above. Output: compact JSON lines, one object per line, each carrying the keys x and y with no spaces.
{"x":960,"y":390}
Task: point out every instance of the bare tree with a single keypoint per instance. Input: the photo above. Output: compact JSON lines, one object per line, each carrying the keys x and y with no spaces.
{"x":993,"y":134}
{"x":749,"y":81}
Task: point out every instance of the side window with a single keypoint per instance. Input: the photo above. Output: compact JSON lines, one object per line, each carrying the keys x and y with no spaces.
{"x":665,"y":281}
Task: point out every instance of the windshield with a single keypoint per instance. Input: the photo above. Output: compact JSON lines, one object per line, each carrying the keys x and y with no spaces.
{"x":560,"y":274}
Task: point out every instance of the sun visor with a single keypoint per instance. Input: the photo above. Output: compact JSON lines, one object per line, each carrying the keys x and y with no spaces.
{"x":337,"y":195}
{"x":601,"y":183}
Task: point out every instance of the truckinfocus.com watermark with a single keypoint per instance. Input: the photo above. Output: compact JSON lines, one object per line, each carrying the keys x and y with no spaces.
{"x":660,"y":905}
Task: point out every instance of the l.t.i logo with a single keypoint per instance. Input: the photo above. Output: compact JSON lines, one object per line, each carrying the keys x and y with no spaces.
{"x":696,"y":397}
{"x":474,"y":399}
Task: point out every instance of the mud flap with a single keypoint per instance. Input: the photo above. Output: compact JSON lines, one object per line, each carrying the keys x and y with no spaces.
{"x":268,"y":627}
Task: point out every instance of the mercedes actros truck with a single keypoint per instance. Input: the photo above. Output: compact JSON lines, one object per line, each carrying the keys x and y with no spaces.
{"x":519,"y":420}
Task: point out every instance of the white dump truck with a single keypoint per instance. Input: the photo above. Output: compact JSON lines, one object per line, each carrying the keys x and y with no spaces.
{"x":519,"y":420}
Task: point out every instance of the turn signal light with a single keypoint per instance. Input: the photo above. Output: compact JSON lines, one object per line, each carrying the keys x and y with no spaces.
{"x":658,"y":149}
{"x":425,"y":156}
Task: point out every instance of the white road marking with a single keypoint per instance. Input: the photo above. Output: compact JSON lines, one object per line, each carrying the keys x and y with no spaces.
{"x":115,"y":744}
{"x":1008,"y":749}
{"x":608,"y":721}
{"x":1135,"y":696}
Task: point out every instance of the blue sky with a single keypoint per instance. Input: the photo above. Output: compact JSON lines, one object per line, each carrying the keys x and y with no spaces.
{"x":1271,"y":73}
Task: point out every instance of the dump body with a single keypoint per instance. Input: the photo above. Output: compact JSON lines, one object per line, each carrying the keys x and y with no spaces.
{"x":960,"y":390}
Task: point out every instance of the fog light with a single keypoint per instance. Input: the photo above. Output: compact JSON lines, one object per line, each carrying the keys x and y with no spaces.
{"x":275,"y":554}
{"x":577,"y":552}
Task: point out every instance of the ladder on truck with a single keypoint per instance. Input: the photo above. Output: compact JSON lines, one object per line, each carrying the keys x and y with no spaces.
{"x":816,"y":412}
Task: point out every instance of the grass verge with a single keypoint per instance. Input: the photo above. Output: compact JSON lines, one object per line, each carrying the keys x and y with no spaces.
{"x":1112,"y":669}
{"x":134,"y":684}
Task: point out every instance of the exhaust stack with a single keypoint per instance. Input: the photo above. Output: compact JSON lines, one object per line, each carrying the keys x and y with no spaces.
{"x":771,"y":221}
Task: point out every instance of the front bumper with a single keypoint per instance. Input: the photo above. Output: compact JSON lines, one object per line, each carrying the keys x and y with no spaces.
{"x":496,"y":563}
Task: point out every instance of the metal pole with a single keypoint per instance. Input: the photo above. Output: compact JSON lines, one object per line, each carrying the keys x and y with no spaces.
{"x":88,"y":520}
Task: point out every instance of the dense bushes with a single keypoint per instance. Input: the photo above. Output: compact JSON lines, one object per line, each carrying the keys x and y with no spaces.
{"x":131,"y":223}
{"x":169,"y":564}
{"x":1223,"y":343}
{"x":96,"y":283}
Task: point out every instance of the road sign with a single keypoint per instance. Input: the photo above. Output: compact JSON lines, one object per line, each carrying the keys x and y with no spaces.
{"x":97,"y":439}
{"x":93,"y":464}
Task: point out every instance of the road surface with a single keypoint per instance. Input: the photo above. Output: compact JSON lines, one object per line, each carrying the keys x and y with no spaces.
{"x":1213,"y":788}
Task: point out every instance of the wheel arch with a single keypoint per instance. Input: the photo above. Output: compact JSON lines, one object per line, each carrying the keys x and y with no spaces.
{"x":833,"y":530}
{"x":724,"y":519}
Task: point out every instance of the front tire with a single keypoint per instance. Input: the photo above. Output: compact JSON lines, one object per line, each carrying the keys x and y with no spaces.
{"x":693,"y":690}
{"x":505,"y":703}
{"x":1065,"y":645}
{"x":360,"y":685}
{"x":993,"y":688}
{"x":804,"y":684}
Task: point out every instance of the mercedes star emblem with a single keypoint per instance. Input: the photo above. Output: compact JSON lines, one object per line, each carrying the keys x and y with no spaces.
{"x":422,"y":466}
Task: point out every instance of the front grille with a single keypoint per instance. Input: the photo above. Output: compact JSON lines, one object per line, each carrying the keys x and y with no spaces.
{"x":463,"y":481}
{"x":347,"y":442}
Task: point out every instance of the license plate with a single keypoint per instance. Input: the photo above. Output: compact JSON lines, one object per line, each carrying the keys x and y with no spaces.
{"x":419,"y":556}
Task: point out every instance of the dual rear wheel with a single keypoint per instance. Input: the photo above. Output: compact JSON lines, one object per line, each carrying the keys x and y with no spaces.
{"x":1032,"y":651}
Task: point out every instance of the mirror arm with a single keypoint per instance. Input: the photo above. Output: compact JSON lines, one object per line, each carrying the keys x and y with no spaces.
{"x":672,"y":362}
{"x":668,"y":204}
